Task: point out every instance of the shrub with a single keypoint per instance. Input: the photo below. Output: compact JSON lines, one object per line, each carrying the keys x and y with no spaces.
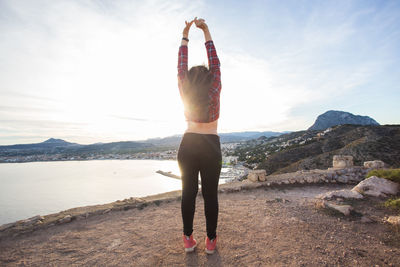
{"x":393,"y":203}
{"x":390,"y":174}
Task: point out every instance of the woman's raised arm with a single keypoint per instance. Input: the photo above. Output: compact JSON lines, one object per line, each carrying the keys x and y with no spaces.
{"x":183,"y":52}
{"x":213,"y":60}
{"x":201,"y":24}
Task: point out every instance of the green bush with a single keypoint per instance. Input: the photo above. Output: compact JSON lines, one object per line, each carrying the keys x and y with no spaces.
{"x":393,"y":203}
{"x":390,"y":174}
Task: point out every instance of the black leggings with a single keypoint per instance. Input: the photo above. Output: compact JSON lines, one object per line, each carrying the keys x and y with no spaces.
{"x":200,"y":153}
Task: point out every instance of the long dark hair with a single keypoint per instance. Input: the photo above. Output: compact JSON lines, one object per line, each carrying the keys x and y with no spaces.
{"x":196,"y":85}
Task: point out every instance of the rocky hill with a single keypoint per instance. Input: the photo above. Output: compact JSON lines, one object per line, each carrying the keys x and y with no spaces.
{"x":306,"y":150}
{"x":333,"y":118}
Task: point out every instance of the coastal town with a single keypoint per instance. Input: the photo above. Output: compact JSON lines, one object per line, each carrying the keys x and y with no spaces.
{"x":171,"y":154}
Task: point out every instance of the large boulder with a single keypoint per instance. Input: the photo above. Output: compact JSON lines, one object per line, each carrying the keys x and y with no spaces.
{"x":377,"y":187}
{"x":344,"y":193}
{"x":344,"y":209}
{"x":374,"y":164}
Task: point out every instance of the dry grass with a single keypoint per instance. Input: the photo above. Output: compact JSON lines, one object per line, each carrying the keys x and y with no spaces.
{"x":390,"y":174}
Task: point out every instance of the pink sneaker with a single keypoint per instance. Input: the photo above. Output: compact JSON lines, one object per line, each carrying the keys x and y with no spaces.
{"x":210,"y":245}
{"x":189,"y":242}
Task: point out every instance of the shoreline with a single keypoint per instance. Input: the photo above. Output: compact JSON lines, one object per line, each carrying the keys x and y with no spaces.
{"x":299,"y":178}
{"x":160,"y":159}
{"x":47,"y":208}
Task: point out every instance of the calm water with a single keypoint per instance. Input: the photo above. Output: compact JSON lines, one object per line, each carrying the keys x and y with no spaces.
{"x":29,"y":189}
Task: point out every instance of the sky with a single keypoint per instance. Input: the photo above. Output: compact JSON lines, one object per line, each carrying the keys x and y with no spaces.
{"x":104,"y":71}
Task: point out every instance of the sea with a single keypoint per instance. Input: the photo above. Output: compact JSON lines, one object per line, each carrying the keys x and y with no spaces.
{"x":41,"y":188}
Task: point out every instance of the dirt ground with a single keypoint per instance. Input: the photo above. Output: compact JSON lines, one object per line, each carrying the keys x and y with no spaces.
{"x":260,"y":227}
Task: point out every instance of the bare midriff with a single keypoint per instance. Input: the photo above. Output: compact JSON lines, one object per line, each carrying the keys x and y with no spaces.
{"x":202,"y":128}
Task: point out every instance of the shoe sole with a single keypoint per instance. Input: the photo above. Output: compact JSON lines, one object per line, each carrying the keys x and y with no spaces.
{"x":210,"y":251}
{"x":190,"y":249}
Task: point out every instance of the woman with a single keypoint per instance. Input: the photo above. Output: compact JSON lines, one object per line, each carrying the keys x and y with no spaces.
{"x":200,"y":148}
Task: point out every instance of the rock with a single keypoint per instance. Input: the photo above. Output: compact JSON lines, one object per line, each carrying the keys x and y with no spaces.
{"x":354,"y":178}
{"x":343,"y":179}
{"x":344,"y":193}
{"x":315,"y":179}
{"x":262,"y":177}
{"x":394,"y":220}
{"x":329,"y":176}
{"x":309,"y":180}
{"x":375,"y":164}
{"x":7,"y":226}
{"x":80,"y":217}
{"x":278,"y":199}
{"x":344,"y":209}
{"x":66,"y":219}
{"x":377,"y":187}
{"x":32,"y":220}
{"x":38,"y":223}
{"x":341,"y":161}
{"x":365,"y":219}
{"x":106,"y":211}
{"x":257,"y":175}
{"x":252,"y":177}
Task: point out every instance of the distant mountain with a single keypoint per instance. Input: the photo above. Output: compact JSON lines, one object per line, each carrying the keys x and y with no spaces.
{"x":333,"y":118}
{"x":48,"y":144}
{"x":56,"y":141}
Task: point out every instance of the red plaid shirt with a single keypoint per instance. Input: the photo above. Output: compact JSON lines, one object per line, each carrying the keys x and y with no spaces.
{"x":214,"y":66}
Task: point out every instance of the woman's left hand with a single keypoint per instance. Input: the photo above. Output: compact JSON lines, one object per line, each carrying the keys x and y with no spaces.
{"x":187,"y":28}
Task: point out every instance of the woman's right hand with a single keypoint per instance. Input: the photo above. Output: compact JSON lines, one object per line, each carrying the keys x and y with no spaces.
{"x":200,"y":23}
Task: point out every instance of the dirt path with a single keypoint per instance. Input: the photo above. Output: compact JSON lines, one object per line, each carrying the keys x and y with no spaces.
{"x":260,"y":227}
